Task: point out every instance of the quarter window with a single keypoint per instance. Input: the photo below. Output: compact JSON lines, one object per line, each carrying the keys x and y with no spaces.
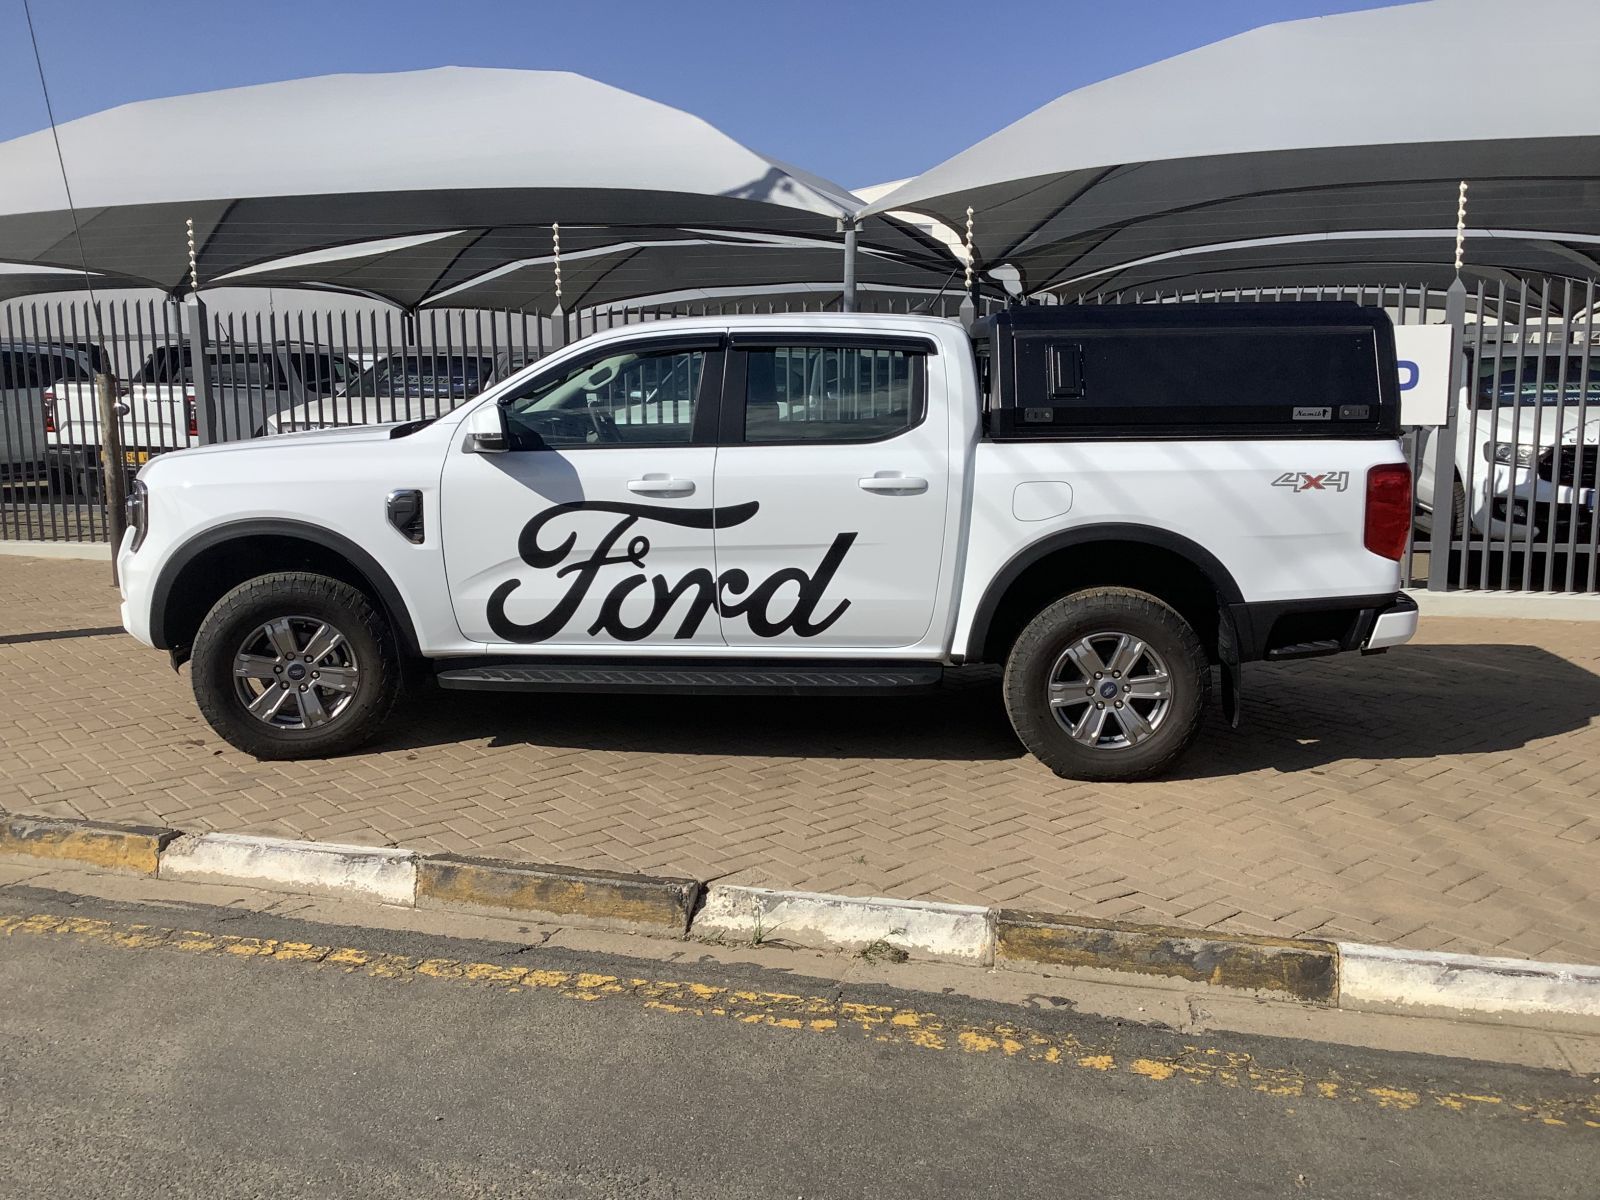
{"x":830,"y":394}
{"x":627,"y":399}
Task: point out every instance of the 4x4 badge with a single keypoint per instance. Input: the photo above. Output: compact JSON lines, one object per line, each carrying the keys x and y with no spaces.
{"x":1305,"y":481}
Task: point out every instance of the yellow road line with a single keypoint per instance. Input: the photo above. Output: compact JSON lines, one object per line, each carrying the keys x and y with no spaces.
{"x":821,"y":1015}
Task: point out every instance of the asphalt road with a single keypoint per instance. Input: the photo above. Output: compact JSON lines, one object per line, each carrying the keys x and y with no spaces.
{"x":139,"y":1062}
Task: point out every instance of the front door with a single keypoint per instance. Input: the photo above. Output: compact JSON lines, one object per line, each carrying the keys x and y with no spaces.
{"x":833,"y":440}
{"x":594,"y":528}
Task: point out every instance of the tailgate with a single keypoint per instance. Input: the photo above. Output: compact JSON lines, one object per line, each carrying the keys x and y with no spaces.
{"x":153,"y":417}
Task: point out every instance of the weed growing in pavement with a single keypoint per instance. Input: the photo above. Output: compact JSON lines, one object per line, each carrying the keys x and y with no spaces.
{"x":883,"y":950}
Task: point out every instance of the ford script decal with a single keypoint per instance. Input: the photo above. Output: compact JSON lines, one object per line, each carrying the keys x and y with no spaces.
{"x":730,"y":594}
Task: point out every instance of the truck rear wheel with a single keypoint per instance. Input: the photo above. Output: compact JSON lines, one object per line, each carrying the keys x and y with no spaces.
{"x":1107,"y":684}
{"x":295,"y":665}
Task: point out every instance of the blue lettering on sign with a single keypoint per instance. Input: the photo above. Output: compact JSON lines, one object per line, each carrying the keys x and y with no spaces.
{"x":1407,"y":382}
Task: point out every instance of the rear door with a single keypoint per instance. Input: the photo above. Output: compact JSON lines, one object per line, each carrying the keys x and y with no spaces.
{"x":832,"y":439}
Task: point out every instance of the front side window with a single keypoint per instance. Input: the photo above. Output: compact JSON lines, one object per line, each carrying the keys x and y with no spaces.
{"x":631,"y":398}
{"x":829,"y":394}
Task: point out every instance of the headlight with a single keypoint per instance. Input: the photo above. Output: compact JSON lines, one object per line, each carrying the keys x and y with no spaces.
{"x":1505,"y":452}
{"x":137,"y":509}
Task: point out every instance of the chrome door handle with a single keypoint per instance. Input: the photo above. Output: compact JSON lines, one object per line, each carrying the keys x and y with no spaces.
{"x":661,"y":485}
{"x":893,"y":484}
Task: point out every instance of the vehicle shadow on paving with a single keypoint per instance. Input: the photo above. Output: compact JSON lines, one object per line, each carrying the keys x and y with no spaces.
{"x":963,"y":721}
{"x":1415,"y":702}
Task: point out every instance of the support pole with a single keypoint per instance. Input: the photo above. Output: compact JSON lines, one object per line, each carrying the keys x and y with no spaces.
{"x":847,"y":299}
{"x":1441,"y":539}
{"x":112,"y":468}
{"x":208,"y":426}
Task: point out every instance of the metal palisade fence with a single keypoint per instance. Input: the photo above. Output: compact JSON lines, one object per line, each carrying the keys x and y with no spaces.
{"x":1514,"y":461}
{"x":186,"y":377}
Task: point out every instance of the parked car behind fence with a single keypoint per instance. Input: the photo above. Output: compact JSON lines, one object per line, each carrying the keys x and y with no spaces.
{"x":399,"y":387}
{"x":27,"y":369}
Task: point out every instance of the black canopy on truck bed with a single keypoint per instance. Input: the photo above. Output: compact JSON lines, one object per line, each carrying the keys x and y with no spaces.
{"x":1238,"y":370}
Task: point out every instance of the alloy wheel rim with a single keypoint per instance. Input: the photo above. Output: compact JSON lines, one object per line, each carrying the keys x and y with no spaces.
{"x":1109,"y":690}
{"x":296,"y":673}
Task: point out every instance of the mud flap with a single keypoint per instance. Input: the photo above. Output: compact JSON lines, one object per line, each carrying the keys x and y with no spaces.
{"x":1232,"y":668}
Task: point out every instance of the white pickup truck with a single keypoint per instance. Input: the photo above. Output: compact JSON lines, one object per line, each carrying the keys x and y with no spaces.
{"x":1107,"y":501}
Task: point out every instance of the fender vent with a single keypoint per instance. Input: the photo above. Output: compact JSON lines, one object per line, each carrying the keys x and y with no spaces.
{"x":405,"y":514}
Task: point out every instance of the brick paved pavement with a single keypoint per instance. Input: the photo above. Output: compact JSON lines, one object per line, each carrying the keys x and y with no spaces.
{"x":1444,"y":796}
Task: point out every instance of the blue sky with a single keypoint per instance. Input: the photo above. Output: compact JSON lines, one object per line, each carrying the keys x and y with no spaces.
{"x":859,"y":91}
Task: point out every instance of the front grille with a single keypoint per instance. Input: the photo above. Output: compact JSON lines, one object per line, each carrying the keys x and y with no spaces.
{"x":1570,"y":465}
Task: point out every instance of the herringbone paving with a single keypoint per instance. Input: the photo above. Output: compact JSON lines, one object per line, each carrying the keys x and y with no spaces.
{"x":1443,"y":796}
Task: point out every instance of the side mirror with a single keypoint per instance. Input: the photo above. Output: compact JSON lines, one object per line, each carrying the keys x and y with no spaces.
{"x":486,"y":432}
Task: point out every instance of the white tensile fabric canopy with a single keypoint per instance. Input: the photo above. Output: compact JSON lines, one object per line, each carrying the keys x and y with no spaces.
{"x":284,"y":169}
{"x":1359,"y":122}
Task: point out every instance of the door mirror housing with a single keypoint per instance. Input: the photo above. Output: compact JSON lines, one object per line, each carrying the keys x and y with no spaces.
{"x":486,"y":432}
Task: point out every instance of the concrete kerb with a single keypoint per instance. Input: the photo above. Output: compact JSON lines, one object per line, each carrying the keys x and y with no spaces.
{"x":942,"y":932}
{"x":1300,"y":969}
{"x":556,"y":895}
{"x":282,"y":864}
{"x":133,"y":849}
{"x":1308,"y":971}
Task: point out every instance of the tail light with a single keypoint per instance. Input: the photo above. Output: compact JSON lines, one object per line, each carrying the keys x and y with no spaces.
{"x":1388,"y":510}
{"x":194,"y":416}
{"x":49,"y":411}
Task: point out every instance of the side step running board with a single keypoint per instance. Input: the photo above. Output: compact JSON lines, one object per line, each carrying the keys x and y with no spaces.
{"x":698,"y":679}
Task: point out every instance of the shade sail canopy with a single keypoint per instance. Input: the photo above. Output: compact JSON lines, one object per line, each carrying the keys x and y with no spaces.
{"x":282,"y":169}
{"x":19,"y":280}
{"x":1413,"y":257}
{"x":511,"y":269}
{"x":1360,"y":121}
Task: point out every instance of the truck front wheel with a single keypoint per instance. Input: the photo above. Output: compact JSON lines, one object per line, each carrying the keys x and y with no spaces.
{"x":295,"y":665}
{"x":1107,"y":684}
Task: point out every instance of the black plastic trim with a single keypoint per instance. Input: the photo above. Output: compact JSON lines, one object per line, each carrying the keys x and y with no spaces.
{"x":791,"y":677}
{"x":1255,"y":622}
{"x":1220,"y":577}
{"x":370,"y":570}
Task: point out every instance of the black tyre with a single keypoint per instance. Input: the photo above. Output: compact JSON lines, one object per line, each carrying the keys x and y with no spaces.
{"x":1107,"y":684}
{"x":1458,"y":508}
{"x":295,"y":665}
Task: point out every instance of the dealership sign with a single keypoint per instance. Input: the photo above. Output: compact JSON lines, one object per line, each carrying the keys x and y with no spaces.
{"x":1424,"y":354}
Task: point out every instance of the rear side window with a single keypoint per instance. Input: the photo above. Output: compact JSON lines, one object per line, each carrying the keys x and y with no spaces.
{"x":16,"y":370}
{"x":830,"y":394}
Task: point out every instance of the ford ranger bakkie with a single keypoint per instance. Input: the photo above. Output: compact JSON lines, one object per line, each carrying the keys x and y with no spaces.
{"x":1109,"y":503}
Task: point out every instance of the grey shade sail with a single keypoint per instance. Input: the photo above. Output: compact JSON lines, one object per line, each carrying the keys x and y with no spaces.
{"x":1415,"y":257}
{"x":511,"y":269}
{"x":18,"y":280}
{"x":281,"y":169}
{"x":1362,"y":121}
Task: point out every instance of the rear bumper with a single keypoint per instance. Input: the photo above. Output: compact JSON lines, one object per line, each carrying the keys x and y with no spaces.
{"x":1280,"y":630}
